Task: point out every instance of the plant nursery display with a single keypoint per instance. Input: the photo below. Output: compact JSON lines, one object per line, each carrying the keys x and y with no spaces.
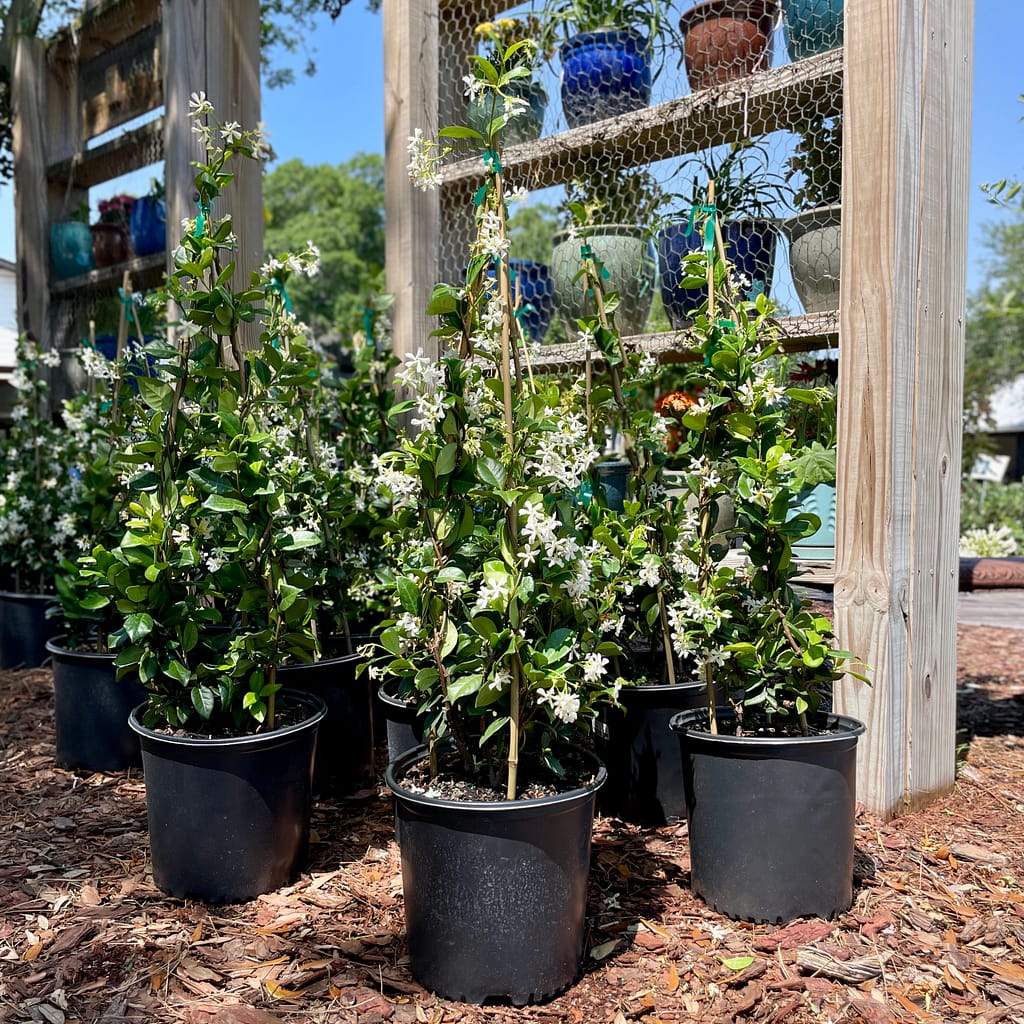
{"x":209,"y":574}
{"x":762,"y":762}
{"x":509,"y":578}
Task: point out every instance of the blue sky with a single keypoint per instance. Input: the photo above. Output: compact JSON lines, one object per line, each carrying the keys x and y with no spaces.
{"x":330,"y":118}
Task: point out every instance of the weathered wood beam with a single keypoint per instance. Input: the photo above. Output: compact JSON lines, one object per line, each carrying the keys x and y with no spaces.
{"x":906,"y":123}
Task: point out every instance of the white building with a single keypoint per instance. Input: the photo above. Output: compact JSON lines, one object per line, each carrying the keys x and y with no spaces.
{"x":8,"y":333}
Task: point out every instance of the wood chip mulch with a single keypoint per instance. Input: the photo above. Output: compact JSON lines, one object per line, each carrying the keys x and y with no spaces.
{"x":936,"y":931}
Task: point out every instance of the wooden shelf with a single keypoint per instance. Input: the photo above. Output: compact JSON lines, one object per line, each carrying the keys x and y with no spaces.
{"x":146,"y":272}
{"x":758,"y":104}
{"x":800,"y":334}
{"x":134,"y":149}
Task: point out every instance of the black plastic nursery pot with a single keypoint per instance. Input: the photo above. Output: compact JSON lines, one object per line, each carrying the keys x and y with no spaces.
{"x":229,"y":817}
{"x":641,"y":753}
{"x":404,"y":726}
{"x":495,"y":893}
{"x":344,"y":751}
{"x":25,"y":628}
{"x":771,"y":819}
{"x":91,"y":708}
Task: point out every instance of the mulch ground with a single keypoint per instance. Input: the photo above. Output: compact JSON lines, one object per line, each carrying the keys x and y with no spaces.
{"x":936,"y":931}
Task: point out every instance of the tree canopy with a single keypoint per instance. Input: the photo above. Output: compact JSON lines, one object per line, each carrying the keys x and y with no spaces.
{"x":341,"y":210}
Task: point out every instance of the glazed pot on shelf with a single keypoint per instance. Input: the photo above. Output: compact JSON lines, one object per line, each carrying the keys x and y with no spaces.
{"x":111,"y":244}
{"x":814,"y":257}
{"x":71,"y":248}
{"x":148,"y":225}
{"x":724,"y":40}
{"x":750,"y":248}
{"x":604,"y":73}
{"x":812,"y":26}
{"x":630,"y":259}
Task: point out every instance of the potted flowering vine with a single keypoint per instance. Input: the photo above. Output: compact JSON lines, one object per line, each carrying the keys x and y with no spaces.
{"x":209,"y":574}
{"x":91,"y":705}
{"x":111,"y":242}
{"x":34,"y":528}
{"x":509,"y":589}
{"x":763,"y":761}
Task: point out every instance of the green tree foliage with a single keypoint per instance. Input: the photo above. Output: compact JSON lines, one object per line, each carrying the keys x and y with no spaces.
{"x":995,"y":329}
{"x":341,"y":210}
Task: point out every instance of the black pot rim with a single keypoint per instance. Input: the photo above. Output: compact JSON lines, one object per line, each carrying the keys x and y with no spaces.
{"x":341,"y":659}
{"x":27,"y":597}
{"x":387,"y":696}
{"x":55,"y":647}
{"x":688,"y":723}
{"x":318,"y":704}
{"x":499,"y":807}
{"x":680,"y":686}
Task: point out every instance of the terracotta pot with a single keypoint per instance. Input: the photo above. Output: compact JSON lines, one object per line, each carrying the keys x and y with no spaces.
{"x":111,"y":244}
{"x":726,"y":39}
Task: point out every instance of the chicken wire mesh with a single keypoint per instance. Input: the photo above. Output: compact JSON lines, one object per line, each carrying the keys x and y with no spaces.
{"x":634,"y":105}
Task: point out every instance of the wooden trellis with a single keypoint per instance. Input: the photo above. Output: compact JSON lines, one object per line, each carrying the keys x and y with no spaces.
{"x":126,"y":59}
{"x":903,"y":83}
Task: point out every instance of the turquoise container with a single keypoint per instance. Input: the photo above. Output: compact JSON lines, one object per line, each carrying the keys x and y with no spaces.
{"x":71,"y":248}
{"x":812,"y":26}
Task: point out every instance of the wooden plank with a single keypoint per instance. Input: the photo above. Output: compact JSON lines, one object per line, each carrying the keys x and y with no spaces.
{"x":799,"y":334}
{"x":146,"y":272}
{"x":213,"y":48}
{"x":31,"y":216}
{"x":905,"y":178}
{"x":121,"y":84}
{"x":131,"y":150}
{"x":770,"y":101}
{"x":103,"y":25}
{"x":412,"y":217}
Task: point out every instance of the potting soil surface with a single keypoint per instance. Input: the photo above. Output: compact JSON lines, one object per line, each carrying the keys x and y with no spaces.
{"x":935,"y":933}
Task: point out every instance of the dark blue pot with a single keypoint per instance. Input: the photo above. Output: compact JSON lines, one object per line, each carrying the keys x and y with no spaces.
{"x":812,"y":26}
{"x":71,"y":248}
{"x":148,"y":225}
{"x":749,"y":246}
{"x":604,"y":73}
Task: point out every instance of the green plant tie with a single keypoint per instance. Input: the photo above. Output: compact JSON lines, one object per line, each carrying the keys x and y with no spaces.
{"x":525,"y":310}
{"x":368,"y":312}
{"x":283,"y":292}
{"x":492,"y":164}
{"x":709,"y":224}
{"x":126,"y":300}
{"x":481,"y":195}
{"x":201,"y":219}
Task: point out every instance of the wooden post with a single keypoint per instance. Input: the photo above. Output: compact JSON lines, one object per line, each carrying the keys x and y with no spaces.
{"x":31,"y":215}
{"x":906,"y":139}
{"x":213,"y":46}
{"x":412,"y":217}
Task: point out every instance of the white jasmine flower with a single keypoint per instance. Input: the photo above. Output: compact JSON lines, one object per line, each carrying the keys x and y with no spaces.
{"x":564,"y":706}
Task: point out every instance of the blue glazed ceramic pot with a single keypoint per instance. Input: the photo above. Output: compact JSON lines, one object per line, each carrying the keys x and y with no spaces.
{"x":604,"y":73}
{"x":148,"y":225}
{"x":749,"y":246}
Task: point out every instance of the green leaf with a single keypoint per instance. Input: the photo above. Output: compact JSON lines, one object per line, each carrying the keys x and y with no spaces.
{"x":738,"y":963}
{"x":408,"y":594}
{"x":447,"y":459}
{"x":490,"y":471}
{"x":221,"y":503}
{"x":204,"y":700}
{"x":138,"y":625}
{"x":496,"y":726}
{"x":156,"y":394}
